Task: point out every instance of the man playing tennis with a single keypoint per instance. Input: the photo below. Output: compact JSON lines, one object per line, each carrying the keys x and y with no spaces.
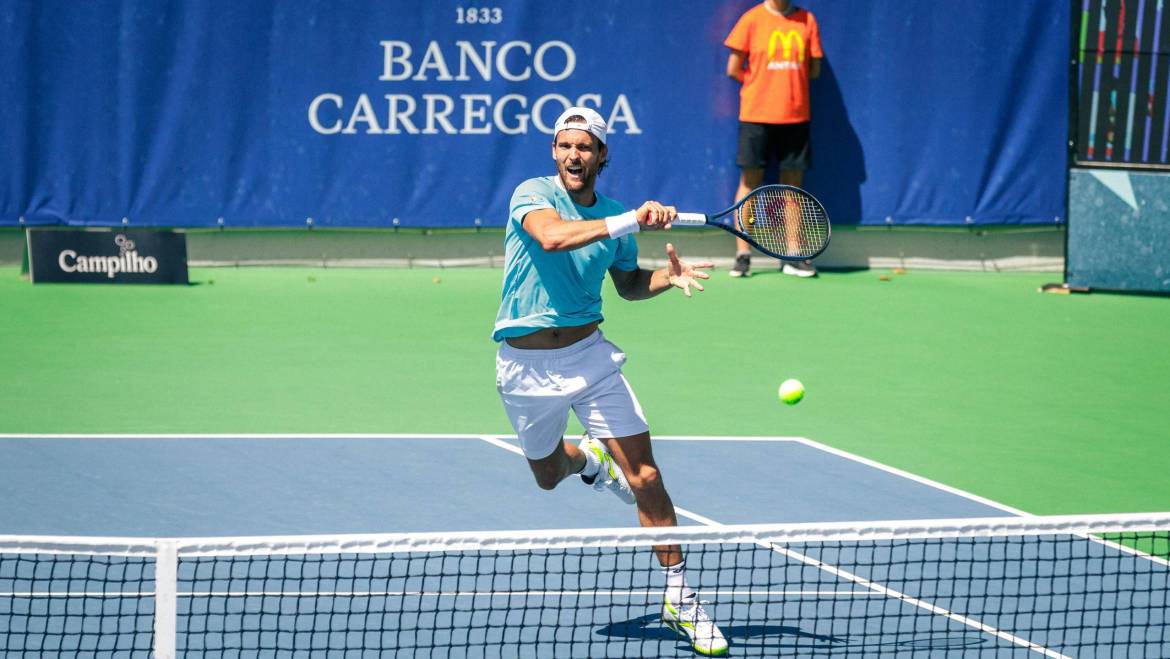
{"x":562,"y":237}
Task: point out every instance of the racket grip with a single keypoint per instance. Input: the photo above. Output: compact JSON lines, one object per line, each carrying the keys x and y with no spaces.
{"x":690,"y":220}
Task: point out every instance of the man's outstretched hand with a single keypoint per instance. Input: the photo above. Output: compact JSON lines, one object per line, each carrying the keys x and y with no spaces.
{"x":684,"y":275}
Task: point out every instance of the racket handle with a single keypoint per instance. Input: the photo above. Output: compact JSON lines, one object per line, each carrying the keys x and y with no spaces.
{"x":690,"y":220}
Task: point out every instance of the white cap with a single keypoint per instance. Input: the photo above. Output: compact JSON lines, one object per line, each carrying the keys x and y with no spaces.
{"x":593,"y":124}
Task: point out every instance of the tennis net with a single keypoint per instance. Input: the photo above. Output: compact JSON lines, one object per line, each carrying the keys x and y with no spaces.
{"x":1057,"y":586}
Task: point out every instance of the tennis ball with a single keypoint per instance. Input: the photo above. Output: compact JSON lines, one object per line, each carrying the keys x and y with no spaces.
{"x":791,"y":391}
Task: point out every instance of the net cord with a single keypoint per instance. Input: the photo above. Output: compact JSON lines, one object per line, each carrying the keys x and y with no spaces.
{"x":779,"y":534}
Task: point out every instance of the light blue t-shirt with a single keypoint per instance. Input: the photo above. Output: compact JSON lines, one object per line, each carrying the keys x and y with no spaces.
{"x":556,"y":289}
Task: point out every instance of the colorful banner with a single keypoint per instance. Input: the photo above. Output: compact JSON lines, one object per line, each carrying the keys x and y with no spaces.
{"x":400,"y":113}
{"x":1122,"y":80}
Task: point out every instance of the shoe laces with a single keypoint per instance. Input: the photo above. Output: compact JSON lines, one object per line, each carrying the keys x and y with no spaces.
{"x":692,"y":611}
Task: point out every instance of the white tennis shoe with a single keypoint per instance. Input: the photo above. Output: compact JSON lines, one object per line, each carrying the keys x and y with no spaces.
{"x":609,"y":476}
{"x":691,"y":621}
{"x":799,"y":268}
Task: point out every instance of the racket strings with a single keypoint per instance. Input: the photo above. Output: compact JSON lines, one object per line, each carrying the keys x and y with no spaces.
{"x":785,"y":221}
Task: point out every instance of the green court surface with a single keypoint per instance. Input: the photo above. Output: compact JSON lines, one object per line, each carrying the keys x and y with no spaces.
{"x":1052,"y":404}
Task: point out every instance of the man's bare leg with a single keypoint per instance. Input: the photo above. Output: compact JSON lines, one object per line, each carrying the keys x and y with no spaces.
{"x":634,"y":455}
{"x":562,"y":463}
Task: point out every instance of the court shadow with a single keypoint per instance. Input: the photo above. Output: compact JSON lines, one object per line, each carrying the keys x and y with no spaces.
{"x":650,"y":627}
{"x":838,"y":169}
{"x":770,"y":640}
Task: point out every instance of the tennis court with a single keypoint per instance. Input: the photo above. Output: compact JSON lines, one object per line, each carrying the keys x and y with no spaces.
{"x":393,"y":583}
{"x":567,"y":596}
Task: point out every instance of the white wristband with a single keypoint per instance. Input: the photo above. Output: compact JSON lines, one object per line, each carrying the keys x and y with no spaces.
{"x":620,"y":225}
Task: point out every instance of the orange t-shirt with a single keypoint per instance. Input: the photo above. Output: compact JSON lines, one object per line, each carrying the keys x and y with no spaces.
{"x":775,"y":84}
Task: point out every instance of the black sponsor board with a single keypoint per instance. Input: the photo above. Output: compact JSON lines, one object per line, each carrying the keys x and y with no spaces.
{"x":107,"y":256}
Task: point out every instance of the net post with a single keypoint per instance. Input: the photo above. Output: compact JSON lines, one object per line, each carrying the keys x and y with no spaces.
{"x":166,"y":586}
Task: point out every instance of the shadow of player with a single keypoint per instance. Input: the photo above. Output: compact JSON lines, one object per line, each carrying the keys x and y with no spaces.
{"x":766,"y":640}
{"x":650,"y":628}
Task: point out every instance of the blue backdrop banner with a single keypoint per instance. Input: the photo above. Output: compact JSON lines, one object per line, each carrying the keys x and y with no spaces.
{"x":363,"y":114}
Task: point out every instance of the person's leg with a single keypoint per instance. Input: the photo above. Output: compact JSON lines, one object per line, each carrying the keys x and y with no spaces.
{"x":793,"y":148}
{"x":751,"y":157}
{"x":681,"y":609}
{"x":565,"y":461}
{"x":795,"y":177}
{"x":792,"y":177}
{"x":611,"y":413}
{"x":749,"y":179}
{"x":636,"y":459}
{"x":795,"y":157}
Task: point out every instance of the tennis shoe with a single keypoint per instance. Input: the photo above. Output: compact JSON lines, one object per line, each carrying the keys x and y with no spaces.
{"x":609,"y":476}
{"x":742,"y":267}
{"x":799,"y":268}
{"x":691,"y":621}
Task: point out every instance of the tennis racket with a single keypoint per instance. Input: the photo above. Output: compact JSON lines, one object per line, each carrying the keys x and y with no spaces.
{"x":781,"y":221}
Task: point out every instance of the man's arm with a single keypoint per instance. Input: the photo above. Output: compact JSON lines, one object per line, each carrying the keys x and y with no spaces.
{"x":735,"y":65}
{"x":556,"y":235}
{"x":814,"y":68}
{"x":559,"y":235}
{"x":642,"y":284}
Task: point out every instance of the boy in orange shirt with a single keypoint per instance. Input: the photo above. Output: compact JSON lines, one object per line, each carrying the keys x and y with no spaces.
{"x":781,"y":47}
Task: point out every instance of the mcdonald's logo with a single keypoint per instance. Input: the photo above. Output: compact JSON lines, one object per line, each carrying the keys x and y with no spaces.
{"x":786,"y":39}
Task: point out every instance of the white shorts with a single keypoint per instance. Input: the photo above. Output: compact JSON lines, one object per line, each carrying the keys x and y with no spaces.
{"x":539,"y":387}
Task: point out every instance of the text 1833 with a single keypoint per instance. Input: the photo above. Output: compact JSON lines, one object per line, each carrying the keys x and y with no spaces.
{"x":473,"y":15}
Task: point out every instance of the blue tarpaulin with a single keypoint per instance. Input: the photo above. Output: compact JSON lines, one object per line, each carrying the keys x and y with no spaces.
{"x":359,"y":113}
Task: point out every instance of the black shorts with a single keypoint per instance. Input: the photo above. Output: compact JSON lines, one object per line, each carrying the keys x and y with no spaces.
{"x":787,"y":144}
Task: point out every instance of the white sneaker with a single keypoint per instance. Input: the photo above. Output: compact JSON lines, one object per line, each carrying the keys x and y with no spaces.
{"x":610,"y":476}
{"x":691,"y":621}
{"x":799,"y":268}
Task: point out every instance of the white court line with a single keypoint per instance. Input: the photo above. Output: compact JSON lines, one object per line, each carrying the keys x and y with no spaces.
{"x":655,"y":594}
{"x":861,"y":581}
{"x":341,"y":436}
{"x":912,"y":476}
{"x":496,"y":441}
{"x":724,"y":438}
{"x":970,"y":496}
{"x":500,"y":441}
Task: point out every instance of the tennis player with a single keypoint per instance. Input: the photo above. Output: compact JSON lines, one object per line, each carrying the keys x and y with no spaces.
{"x":561,"y":239}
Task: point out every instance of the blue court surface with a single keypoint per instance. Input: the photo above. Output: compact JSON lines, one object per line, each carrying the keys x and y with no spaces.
{"x":1065,"y":596}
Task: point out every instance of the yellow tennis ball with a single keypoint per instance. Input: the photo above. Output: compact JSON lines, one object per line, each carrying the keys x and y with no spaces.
{"x":791,"y":391}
